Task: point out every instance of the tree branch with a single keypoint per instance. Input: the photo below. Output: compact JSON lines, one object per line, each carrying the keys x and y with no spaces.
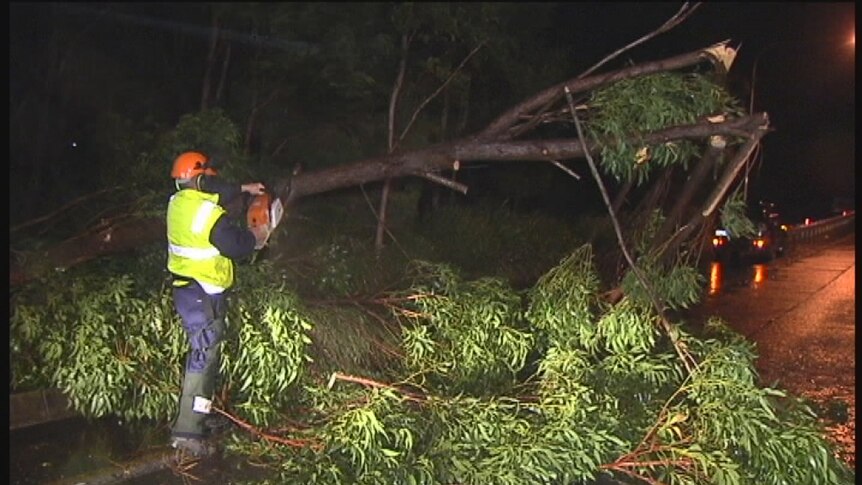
{"x":720,"y":190}
{"x":497,"y":129}
{"x":372,"y":383}
{"x":445,"y":182}
{"x":63,"y":208}
{"x":566,"y":169}
{"x":684,"y":12}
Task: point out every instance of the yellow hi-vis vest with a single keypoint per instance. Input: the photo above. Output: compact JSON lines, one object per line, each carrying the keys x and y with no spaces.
{"x":191,"y":216}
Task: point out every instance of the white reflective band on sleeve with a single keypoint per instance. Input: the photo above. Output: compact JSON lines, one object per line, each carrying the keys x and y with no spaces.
{"x":202,"y":216}
{"x":193,"y":253}
{"x":202,"y":405}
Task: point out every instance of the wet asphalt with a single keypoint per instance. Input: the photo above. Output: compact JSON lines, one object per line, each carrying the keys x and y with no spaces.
{"x":800,"y":311}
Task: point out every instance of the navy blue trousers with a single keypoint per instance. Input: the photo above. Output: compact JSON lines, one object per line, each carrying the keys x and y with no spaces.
{"x":204,"y":318}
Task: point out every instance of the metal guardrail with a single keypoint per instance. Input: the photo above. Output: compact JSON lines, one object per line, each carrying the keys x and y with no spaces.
{"x":822,"y":229}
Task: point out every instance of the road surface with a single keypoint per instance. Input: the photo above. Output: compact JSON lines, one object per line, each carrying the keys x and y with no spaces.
{"x":800,"y":311}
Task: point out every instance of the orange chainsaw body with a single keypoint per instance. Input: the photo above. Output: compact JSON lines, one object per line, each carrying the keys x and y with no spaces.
{"x":258,"y":211}
{"x":266,"y":213}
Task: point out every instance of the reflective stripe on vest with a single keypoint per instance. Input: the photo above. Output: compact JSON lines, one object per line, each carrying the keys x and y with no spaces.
{"x":193,"y":253}
{"x":206,"y":209}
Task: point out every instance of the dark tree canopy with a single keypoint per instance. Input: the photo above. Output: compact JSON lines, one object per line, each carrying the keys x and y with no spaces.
{"x":275,"y":89}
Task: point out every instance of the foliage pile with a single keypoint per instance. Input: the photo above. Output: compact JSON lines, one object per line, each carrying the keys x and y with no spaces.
{"x":493,"y":385}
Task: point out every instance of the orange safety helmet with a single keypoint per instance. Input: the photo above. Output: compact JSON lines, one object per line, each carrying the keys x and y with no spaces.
{"x":190,"y":164}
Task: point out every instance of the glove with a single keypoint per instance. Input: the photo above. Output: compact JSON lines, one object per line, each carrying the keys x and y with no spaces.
{"x":255,"y":188}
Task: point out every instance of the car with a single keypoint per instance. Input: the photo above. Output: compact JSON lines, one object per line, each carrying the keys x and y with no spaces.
{"x":767,"y":244}
{"x":771,"y":228}
{"x":721,"y":250}
{"x":728,"y":248}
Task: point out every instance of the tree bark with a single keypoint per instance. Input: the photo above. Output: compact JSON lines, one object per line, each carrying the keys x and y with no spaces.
{"x":693,"y":184}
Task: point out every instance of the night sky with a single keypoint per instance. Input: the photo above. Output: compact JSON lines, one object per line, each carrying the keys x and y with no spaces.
{"x":805,"y":79}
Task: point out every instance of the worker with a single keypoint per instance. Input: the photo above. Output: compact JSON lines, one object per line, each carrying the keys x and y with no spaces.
{"x":203,"y":244}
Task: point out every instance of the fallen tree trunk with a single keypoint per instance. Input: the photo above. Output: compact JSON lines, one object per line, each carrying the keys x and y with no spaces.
{"x":117,"y":237}
{"x":443,"y":156}
{"x":134,"y":232}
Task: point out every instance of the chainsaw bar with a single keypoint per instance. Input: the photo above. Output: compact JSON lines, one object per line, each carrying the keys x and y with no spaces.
{"x":276,"y":211}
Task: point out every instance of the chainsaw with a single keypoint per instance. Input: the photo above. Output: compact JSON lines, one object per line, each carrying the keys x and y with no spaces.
{"x":264,"y":211}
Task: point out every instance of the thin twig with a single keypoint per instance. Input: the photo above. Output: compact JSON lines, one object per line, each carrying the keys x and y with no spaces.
{"x":661,"y":413}
{"x":635,"y":475}
{"x":566,"y":169}
{"x":377,"y":218}
{"x":376,"y":384}
{"x":648,"y":463}
{"x":440,"y":89}
{"x":182,"y":464}
{"x":451,"y":184}
{"x":61,"y":209}
{"x":396,"y":89}
{"x":677,"y":18}
{"x":672,"y":22}
{"x":295,"y":443}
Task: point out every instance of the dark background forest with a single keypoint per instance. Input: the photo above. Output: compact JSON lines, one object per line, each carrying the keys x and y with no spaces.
{"x":93,"y":85}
